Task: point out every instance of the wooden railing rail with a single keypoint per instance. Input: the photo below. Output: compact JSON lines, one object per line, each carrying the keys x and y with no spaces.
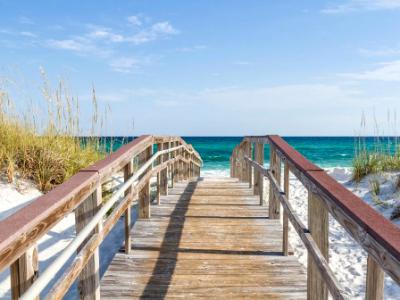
{"x":83,"y":195}
{"x":375,"y":234}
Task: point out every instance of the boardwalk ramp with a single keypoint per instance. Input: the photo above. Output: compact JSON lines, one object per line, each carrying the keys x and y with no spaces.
{"x":209,"y":238}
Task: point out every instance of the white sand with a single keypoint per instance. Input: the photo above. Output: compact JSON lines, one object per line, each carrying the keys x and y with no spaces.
{"x":347,"y":259}
{"x":15,"y":196}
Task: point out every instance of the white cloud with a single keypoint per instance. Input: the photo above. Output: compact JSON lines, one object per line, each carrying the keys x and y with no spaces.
{"x":68,"y":44}
{"x":192,"y":48}
{"x":156,"y":31}
{"x":105,"y":34}
{"x":163,"y":27}
{"x":387,"y":71}
{"x":124,"y":64}
{"x":134,"y":20}
{"x":362,"y":5}
{"x":28,"y":34}
{"x":137,"y":37}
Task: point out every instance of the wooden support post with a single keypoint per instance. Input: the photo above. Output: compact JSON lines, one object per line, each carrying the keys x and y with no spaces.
{"x":318,"y":224}
{"x":176,"y":165}
{"x":144,"y":193}
{"x":256,"y":189}
{"x":241,"y":163}
{"x":89,"y":278}
{"x":259,"y":178}
{"x":275,"y":167}
{"x":375,"y":280}
{"x":158,"y":192}
{"x":164,"y":173}
{"x":231,"y":160}
{"x":249,"y":166}
{"x":182,"y":171}
{"x":172,"y":174}
{"x":128,"y":171}
{"x":23,"y":272}
{"x":285,"y":241}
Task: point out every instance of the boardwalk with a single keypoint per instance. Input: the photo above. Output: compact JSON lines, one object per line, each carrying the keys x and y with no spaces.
{"x":208,"y":239}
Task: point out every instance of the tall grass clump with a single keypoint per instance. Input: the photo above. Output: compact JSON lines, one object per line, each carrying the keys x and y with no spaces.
{"x":46,"y":146}
{"x":383,"y":155}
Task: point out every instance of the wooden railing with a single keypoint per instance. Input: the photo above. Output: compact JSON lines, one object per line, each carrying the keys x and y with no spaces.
{"x":82,"y":194}
{"x":376,"y":235}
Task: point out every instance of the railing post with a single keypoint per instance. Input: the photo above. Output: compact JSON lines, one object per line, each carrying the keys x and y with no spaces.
{"x":241,"y":164}
{"x":128,"y":171}
{"x":172,"y":174}
{"x":158,"y":187}
{"x":256,"y":189}
{"x":89,"y":278}
{"x":176,"y":166}
{"x":231,"y":170}
{"x":185,"y":167}
{"x":259,"y":178}
{"x":144,"y":193}
{"x":164,"y":173}
{"x":160,"y":147}
{"x":24,"y":271}
{"x":318,"y":224}
{"x":375,"y":280}
{"x":285,"y":242}
{"x":275,"y":166}
{"x":249,"y":174}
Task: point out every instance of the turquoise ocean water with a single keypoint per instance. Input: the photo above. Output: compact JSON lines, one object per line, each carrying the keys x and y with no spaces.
{"x":323,"y":151}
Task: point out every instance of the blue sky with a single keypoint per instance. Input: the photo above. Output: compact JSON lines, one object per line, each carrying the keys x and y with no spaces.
{"x":212,"y":67}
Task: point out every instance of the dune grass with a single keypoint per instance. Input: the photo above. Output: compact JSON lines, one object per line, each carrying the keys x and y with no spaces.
{"x":47,"y":148}
{"x":373,"y":162}
{"x":382,"y":156}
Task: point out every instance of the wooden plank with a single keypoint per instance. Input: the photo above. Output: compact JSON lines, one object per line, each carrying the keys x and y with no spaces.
{"x":318,"y":224}
{"x":22,"y":230}
{"x":89,"y":278}
{"x":24,"y":271}
{"x":375,"y":280}
{"x":314,"y":251}
{"x":176,"y":255}
{"x":376,"y":234}
{"x":144,"y":193}
{"x":258,"y":178}
{"x":164,"y":173}
{"x":128,"y":171}
{"x":285,"y":220}
{"x":275,"y":166}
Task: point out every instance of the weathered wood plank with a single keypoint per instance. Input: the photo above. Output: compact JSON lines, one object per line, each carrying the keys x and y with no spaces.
{"x":89,"y":278}
{"x":318,"y":224}
{"x":144,"y":193}
{"x":375,"y":280}
{"x":201,"y":243}
{"x":128,"y":171}
{"x":24,"y":271}
{"x":285,"y":220}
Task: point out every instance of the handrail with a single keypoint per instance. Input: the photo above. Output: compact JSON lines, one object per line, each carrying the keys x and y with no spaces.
{"x":48,"y":274}
{"x":374,"y":233}
{"x":24,"y":228}
{"x":337,"y":291}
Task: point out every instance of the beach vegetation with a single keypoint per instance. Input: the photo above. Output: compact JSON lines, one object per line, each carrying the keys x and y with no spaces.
{"x":382,"y":156}
{"x":46,"y":147}
{"x":375,"y":186}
